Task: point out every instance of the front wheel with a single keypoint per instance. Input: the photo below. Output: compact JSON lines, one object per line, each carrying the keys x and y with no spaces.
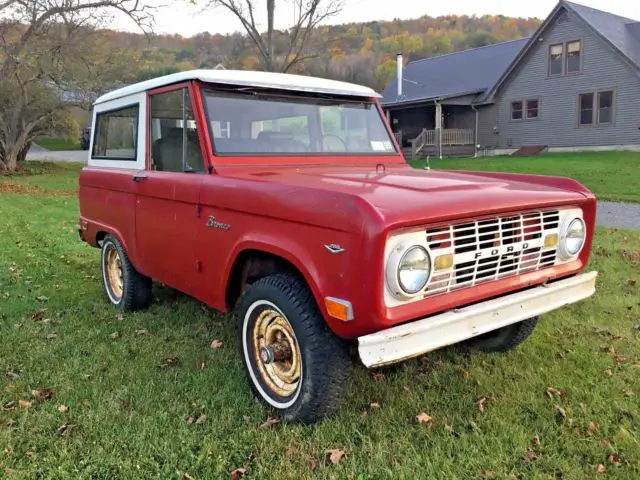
{"x":506,"y":338}
{"x":294,"y":363}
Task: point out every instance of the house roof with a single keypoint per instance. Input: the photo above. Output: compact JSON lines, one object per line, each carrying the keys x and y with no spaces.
{"x":623,"y":34}
{"x":456,"y":74}
{"x":245,"y":78}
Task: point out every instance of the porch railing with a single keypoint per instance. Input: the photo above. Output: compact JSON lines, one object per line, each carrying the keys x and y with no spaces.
{"x":450,"y":137}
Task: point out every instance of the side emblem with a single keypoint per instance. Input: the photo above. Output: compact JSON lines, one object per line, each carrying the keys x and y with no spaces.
{"x":213,"y":223}
{"x":334,"y":248}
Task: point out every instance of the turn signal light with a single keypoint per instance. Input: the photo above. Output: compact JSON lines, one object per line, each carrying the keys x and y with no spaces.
{"x":551,"y":241}
{"x":338,"y":308}
{"x":443,"y":262}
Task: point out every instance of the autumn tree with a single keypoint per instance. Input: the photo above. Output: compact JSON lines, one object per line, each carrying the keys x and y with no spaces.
{"x":281,"y":51}
{"x":46,"y":64}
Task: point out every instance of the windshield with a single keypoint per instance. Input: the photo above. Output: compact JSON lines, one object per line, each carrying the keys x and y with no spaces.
{"x":250,"y":123}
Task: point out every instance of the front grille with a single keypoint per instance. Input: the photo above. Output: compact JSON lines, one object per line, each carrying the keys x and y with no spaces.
{"x":491,"y":249}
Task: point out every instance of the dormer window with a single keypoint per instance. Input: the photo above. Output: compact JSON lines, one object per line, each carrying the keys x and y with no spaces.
{"x":556,"y":54}
{"x":574,"y":57}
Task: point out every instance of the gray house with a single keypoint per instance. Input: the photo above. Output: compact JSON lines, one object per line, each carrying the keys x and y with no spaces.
{"x":574,"y":85}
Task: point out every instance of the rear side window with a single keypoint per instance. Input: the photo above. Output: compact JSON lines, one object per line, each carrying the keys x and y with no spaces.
{"x":116,"y":132}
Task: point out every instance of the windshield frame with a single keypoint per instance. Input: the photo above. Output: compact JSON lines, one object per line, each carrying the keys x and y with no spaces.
{"x":235,"y":158}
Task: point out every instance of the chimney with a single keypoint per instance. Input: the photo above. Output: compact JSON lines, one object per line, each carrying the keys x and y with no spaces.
{"x":400,"y":62}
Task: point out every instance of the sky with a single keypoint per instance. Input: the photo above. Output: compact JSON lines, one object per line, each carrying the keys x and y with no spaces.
{"x":186,"y":19}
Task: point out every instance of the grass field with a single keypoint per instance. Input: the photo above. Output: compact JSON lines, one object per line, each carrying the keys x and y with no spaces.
{"x":58,"y":144}
{"x":610,"y":175}
{"x":127,"y":391}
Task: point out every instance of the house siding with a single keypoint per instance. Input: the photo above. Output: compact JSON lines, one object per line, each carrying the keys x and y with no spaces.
{"x":603,"y":68}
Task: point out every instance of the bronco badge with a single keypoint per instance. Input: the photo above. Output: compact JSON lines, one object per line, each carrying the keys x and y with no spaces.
{"x":213,"y":223}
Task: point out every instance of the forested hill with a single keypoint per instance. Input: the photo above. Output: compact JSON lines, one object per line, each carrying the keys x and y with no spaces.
{"x":357,"y":52}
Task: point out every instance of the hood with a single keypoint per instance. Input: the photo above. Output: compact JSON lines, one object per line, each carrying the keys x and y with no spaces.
{"x":401,"y":195}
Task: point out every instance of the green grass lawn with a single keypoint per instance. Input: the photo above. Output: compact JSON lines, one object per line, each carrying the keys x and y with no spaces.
{"x":57,"y":144}
{"x":126,"y":408}
{"x":610,"y":175}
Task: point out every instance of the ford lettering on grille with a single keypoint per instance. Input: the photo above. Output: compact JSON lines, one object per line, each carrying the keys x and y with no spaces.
{"x":491,"y":249}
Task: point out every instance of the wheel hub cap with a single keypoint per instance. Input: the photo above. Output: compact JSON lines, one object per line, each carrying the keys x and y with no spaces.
{"x":114,"y":273}
{"x":277,"y":353}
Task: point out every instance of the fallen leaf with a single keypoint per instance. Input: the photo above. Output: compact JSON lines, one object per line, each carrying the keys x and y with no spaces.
{"x":19,"y":325}
{"x":314,"y":464}
{"x":119,"y":317}
{"x":600,"y":469}
{"x":143,"y":333}
{"x":609,"y":372}
{"x":12,"y":375}
{"x":201,"y":419}
{"x":52,"y":336}
{"x":530,"y":457}
{"x":377,"y":376}
{"x":202,"y":366}
{"x":375,"y":405}
{"x":628,"y":392}
{"x":115,"y":335}
{"x":593,"y":429}
{"x":605,"y":443}
{"x":216,"y":343}
{"x":63,"y":409}
{"x":450,"y":429}
{"x":553,"y":392}
{"x":42,"y":298}
{"x":291,"y":451}
{"x":10,"y":405}
{"x":65,"y":430}
{"x":424,"y":418}
{"x":11,"y":422}
{"x":189,"y":420}
{"x":269,"y":422}
{"x":536,"y":440}
{"x":24,"y":404}
{"x":238,"y":473}
{"x":488,"y":474}
{"x":186,"y":476}
{"x":42,"y":395}
{"x":247,"y":419}
{"x":561,"y":412}
{"x":126,"y":404}
{"x":482,"y":400}
{"x":10,"y":472}
{"x":615,"y":459}
{"x":30,"y":454}
{"x":336,"y":455}
{"x":168,"y":362}
{"x":632,"y":283}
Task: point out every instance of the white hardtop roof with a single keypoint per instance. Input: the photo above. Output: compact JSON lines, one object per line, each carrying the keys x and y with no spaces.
{"x":280,"y":81}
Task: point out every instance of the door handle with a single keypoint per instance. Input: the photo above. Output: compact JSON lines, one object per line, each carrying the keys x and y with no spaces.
{"x":138,"y":177}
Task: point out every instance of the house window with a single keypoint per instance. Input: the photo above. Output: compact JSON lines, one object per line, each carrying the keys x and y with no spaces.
{"x":516,"y":110}
{"x":574,"y":55}
{"x":586,"y":108}
{"x":605,"y":107}
{"x":555,"y":59}
{"x":596,"y":108}
{"x":532,"y":109}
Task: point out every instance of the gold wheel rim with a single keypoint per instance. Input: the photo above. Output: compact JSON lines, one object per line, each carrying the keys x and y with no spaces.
{"x":114,"y":273}
{"x":277,"y":353}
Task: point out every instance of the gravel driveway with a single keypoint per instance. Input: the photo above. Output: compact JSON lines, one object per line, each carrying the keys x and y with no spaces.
{"x":619,"y":215}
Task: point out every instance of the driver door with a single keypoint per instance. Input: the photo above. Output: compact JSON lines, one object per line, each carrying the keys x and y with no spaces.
{"x":167,"y":205}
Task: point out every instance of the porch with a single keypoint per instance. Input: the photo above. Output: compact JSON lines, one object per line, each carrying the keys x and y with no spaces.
{"x":435,"y":129}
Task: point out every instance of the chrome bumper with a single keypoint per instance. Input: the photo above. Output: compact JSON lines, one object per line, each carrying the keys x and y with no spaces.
{"x":421,"y":336}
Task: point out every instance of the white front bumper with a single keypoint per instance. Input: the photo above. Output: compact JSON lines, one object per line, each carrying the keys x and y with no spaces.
{"x":427,"y":334}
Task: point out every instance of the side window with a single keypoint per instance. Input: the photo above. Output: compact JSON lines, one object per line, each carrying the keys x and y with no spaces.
{"x":116,"y":132}
{"x":175,"y":145}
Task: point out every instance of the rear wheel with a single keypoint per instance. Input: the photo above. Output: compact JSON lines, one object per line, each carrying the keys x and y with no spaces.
{"x":294,"y":363}
{"x":125,"y":287}
{"x":506,"y":338}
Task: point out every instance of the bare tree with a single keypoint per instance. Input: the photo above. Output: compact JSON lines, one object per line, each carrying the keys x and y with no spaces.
{"x":277,"y":56}
{"x":45,"y":64}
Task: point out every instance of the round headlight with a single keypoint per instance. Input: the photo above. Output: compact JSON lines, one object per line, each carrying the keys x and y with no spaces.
{"x":574,"y":237}
{"x":414,"y":269}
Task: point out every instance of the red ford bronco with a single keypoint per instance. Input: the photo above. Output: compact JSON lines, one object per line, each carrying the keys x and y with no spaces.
{"x":286,"y":199}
